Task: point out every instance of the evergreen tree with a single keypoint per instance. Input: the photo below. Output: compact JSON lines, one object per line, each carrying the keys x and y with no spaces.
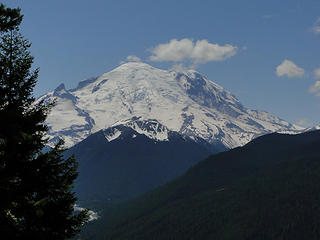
{"x":9,"y":18}
{"x":36,"y":198}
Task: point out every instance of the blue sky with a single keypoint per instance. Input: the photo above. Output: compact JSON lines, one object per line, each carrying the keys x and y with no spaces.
{"x":74,"y":40}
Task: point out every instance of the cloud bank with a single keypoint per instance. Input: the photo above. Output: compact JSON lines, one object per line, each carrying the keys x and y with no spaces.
{"x":185,"y":49}
{"x":290,"y":69}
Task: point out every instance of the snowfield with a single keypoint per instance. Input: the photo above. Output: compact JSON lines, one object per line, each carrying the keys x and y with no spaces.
{"x":185,"y":102}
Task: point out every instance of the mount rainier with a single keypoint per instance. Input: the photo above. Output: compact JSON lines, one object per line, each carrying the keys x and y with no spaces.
{"x":184,"y":102}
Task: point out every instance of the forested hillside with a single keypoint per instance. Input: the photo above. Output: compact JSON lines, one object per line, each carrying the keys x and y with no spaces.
{"x":267,"y":189}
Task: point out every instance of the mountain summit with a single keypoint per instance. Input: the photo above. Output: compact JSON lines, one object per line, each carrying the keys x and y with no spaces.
{"x":185,"y":102}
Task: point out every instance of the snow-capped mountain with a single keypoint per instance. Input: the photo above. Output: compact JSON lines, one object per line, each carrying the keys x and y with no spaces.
{"x":185,"y":102}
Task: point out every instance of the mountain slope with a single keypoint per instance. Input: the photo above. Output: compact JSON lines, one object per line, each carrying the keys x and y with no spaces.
{"x":132,"y":158}
{"x":267,"y":189}
{"x":187,"y":103}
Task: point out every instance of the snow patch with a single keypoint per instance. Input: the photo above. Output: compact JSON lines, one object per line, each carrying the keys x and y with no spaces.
{"x":114,"y":134}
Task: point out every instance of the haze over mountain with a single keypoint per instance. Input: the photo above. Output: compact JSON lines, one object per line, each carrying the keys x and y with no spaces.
{"x":185,"y":102}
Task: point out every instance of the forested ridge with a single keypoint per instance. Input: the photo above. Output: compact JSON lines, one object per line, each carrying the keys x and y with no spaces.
{"x":267,"y":189}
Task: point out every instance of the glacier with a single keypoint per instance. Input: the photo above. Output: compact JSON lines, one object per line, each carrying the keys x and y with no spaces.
{"x":186,"y":102}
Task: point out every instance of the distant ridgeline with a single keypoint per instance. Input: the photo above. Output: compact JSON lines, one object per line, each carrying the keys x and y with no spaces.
{"x":268,"y":189}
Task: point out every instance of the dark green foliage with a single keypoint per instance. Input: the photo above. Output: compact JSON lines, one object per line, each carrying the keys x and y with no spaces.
{"x":35,"y":188}
{"x":9,"y":18}
{"x":267,"y":189}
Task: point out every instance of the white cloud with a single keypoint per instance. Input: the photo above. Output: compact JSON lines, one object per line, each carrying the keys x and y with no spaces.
{"x":133,"y":58}
{"x":185,"y":49}
{"x":315,"y":88}
{"x":317,"y":73}
{"x":316,"y":27}
{"x":204,"y":51}
{"x":290,"y":69}
{"x":174,"y":51}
